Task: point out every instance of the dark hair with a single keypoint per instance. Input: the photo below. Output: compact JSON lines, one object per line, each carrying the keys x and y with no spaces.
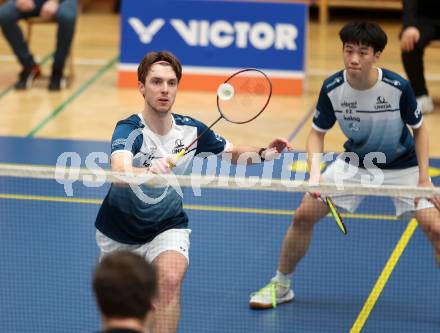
{"x":125,"y":285}
{"x":365,"y":33}
{"x":160,"y":56}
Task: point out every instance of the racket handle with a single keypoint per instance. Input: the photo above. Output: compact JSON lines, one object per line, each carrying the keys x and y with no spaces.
{"x":178,"y":155}
{"x":181,"y":153}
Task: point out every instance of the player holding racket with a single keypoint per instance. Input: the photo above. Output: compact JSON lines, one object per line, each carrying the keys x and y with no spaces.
{"x":373,"y":107}
{"x":149,"y":142}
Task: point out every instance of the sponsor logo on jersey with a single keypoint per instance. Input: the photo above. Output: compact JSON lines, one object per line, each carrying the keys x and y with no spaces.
{"x":147,"y":158}
{"x":178,"y":146}
{"x":382,"y":104}
{"x":354,"y":127}
{"x":351,"y":118}
{"x":350,"y":105}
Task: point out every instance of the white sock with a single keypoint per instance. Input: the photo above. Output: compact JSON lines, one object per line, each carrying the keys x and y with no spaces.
{"x":283,"y":279}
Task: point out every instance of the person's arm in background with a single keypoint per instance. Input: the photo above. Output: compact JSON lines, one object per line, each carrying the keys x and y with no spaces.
{"x":410,"y":34}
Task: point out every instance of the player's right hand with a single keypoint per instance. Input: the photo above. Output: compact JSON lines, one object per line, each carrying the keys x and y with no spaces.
{"x":162,"y":165}
{"x":435,"y":200}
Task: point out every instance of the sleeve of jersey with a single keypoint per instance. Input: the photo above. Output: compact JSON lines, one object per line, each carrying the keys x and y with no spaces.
{"x":324,"y":117}
{"x":126,"y":138}
{"x":409,"y":110}
{"x":210,"y":142}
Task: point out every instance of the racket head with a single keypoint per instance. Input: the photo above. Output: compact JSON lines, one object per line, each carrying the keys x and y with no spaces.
{"x":336,"y":215}
{"x":252,"y":91}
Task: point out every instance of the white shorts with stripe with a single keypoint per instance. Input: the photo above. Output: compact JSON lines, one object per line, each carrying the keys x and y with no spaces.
{"x":169,"y":240}
{"x":341,"y":173}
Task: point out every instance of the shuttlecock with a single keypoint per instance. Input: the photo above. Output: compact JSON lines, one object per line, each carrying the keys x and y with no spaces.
{"x":225,"y":91}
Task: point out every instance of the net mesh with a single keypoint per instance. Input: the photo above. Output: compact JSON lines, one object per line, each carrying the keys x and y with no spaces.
{"x":368,"y":279}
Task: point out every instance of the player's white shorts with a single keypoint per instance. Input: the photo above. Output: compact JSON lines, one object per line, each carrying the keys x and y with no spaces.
{"x":337,"y":173}
{"x":171,"y":239}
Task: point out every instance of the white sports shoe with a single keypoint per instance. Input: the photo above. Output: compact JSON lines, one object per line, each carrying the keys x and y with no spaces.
{"x":425,"y":103}
{"x":271,"y":295}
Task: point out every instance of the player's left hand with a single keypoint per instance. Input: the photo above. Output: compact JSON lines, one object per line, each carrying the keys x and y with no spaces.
{"x":279,"y":145}
{"x":49,"y":9}
{"x":274,"y":149}
{"x":435,"y":200}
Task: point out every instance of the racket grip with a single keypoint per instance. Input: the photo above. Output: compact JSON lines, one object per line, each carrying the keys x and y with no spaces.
{"x":178,"y":155}
{"x":181,"y":153}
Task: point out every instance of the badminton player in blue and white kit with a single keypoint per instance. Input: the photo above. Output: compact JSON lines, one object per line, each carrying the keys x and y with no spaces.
{"x":375,"y":109}
{"x":151,"y":221}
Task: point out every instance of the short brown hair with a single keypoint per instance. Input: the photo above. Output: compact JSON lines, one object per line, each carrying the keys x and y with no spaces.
{"x":125,"y":285}
{"x":160,"y":56}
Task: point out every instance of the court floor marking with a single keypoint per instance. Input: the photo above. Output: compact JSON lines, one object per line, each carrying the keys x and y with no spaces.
{"x":301,"y":124}
{"x":72,"y":97}
{"x":384,"y":276}
{"x":76,"y":61}
{"x":311,"y":72}
{"x":375,"y":292}
{"x":211,"y":208}
{"x":10,"y":88}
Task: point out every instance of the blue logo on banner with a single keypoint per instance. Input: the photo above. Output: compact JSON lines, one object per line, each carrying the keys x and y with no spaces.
{"x":216,"y":33}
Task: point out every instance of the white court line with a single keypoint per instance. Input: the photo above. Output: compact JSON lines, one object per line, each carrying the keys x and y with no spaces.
{"x":224,"y":71}
{"x":320,"y":72}
{"x":76,"y":61}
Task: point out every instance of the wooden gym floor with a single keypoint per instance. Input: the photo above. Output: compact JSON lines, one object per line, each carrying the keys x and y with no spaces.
{"x":91,"y":106}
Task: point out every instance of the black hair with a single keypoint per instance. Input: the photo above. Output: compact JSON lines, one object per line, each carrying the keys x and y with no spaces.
{"x":364,"y":33}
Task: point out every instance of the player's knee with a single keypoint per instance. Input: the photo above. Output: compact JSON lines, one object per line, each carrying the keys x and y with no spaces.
{"x":304,"y":218}
{"x":433,"y":230}
{"x":169,"y":285}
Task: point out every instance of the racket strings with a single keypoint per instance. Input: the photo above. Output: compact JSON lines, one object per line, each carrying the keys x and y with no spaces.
{"x":252,"y":91}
